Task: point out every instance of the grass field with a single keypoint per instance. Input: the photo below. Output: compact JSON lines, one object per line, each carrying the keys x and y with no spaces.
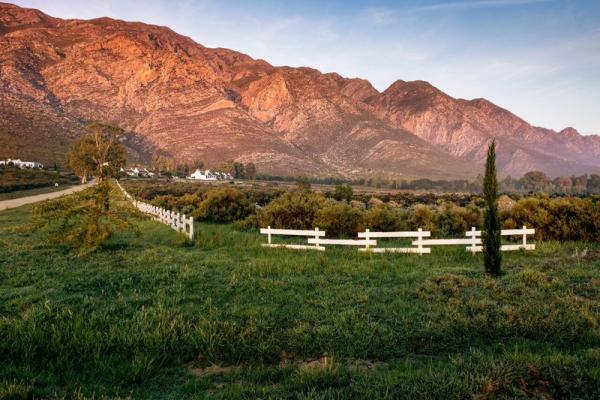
{"x":156,"y":317}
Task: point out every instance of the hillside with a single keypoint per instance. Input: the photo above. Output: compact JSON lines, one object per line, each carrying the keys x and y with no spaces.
{"x":177,"y":97}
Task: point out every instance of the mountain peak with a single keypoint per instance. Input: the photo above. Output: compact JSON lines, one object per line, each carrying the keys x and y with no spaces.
{"x":401,"y":84}
{"x":12,"y":17}
{"x":569,"y":132}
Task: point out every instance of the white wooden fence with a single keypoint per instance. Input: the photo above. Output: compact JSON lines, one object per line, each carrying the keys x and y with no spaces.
{"x":177,"y":221}
{"x":317,"y":234}
{"x":421,"y":245}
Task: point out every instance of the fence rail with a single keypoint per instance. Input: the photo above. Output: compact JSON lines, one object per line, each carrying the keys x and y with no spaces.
{"x":421,"y":245}
{"x":317,"y":234}
{"x":177,"y":221}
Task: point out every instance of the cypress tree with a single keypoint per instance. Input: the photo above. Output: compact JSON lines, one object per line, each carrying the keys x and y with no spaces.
{"x":491,"y":236}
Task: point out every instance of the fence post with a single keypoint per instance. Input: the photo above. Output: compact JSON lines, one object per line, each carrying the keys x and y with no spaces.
{"x":473,"y":239}
{"x":191,"y":228}
{"x":269,"y":234}
{"x":524,"y":236}
{"x":419,"y":241}
{"x":317,"y":237}
{"x":367,"y":239}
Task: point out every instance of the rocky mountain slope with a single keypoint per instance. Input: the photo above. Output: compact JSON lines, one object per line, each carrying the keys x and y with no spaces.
{"x":180,"y":98}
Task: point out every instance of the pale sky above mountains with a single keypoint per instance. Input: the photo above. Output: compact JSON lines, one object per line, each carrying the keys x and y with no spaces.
{"x":538,"y":58}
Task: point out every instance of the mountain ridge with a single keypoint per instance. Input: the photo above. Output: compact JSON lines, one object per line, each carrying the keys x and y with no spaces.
{"x":175,"y":96}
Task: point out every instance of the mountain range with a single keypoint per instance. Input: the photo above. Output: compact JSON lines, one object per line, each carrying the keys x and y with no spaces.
{"x":176,"y":97}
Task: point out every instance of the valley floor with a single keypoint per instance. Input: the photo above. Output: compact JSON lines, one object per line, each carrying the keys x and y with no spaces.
{"x":156,"y":317}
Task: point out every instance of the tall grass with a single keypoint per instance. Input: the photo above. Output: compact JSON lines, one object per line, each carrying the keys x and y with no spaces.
{"x":136,"y":317}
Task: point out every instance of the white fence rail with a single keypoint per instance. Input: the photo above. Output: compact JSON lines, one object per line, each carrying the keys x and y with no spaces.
{"x":317,"y":234}
{"x":421,"y":245}
{"x":419,"y":234}
{"x":177,"y":221}
{"x":523,"y":232}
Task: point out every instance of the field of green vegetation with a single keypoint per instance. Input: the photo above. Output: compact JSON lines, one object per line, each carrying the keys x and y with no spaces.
{"x":156,"y":316}
{"x":16,"y":179}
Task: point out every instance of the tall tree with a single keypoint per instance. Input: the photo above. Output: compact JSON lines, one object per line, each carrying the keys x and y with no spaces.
{"x":87,"y":219}
{"x":99,"y":154}
{"x":238,"y":170}
{"x":534,"y":181}
{"x":198,"y":164}
{"x":593,"y":184}
{"x":250,"y":171}
{"x":491,"y":237}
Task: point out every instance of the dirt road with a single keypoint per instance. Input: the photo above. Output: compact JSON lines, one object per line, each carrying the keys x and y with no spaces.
{"x":6,"y":204}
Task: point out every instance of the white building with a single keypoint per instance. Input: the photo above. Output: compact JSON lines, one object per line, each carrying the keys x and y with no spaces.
{"x":21,"y":164}
{"x":132,"y":171}
{"x":223,"y":176}
{"x":140,"y":172}
{"x":145,"y":173}
{"x":203,"y":175}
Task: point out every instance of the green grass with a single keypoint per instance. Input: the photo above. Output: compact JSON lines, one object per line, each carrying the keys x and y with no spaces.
{"x":145,"y":316}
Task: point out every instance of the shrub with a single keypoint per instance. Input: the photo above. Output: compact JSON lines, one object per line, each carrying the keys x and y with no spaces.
{"x":385,"y":219}
{"x":343,"y":192}
{"x":558,"y":219}
{"x":422,"y":217}
{"x":292,"y":210}
{"x":339,"y":219}
{"x":223,"y":205}
{"x":455,"y":220}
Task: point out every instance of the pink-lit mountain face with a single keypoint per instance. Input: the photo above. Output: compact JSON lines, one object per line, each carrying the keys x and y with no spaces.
{"x":180,"y":98}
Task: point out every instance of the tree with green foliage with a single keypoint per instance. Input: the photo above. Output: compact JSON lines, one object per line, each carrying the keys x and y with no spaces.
{"x":198,"y":164}
{"x":491,"y":238}
{"x":593,"y":184}
{"x":250,"y":171}
{"x":303,"y":183}
{"x":238,"y":171}
{"x":182,"y":170}
{"x":99,"y":154}
{"x":343,"y":192}
{"x":84,"y":221}
{"x":534,"y":181}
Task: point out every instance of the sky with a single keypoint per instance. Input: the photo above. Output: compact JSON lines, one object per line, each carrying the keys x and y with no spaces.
{"x":539,"y":59}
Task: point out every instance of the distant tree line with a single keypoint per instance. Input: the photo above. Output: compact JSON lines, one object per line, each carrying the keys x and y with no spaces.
{"x":531,"y":182}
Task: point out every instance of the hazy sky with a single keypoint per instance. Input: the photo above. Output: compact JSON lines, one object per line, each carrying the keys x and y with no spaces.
{"x":538,"y":58}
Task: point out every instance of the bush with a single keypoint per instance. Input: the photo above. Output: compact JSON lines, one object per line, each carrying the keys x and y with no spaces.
{"x":557,"y":219}
{"x":455,"y":220}
{"x":339,"y":219}
{"x":421,"y":216}
{"x":343,"y":192}
{"x":385,"y":219}
{"x":223,"y":205}
{"x":292,"y":210}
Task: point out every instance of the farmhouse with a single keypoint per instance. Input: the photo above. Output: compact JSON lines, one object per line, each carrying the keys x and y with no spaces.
{"x":203,"y":175}
{"x":21,"y":164}
{"x":141,"y":172}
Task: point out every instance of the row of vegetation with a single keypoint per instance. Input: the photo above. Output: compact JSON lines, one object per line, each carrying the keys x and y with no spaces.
{"x":343,"y":214}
